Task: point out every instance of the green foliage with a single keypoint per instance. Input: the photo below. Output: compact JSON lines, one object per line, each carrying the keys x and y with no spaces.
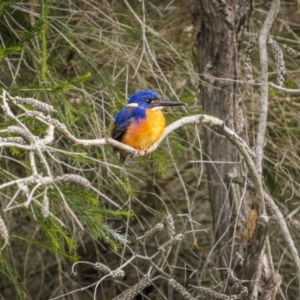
{"x":67,"y":84}
{"x":161,"y":163}
{"x":9,"y":275}
{"x":112,"y":237}
{"x":89,"y":211}
{"x":59,"y":87}
{"x":25,"y":38}
{"x":14,"y":151}
{"x":8,"y":50}
{"x":4,"y":5}
{"x":187,"y":97}
{"x":124,"y":186}
{"x":54,"y":238}
{"x":43,"y":40}
{"x":58,"y":237}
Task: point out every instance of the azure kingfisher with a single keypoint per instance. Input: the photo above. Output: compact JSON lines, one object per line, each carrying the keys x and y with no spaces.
{"x":141,"y":122}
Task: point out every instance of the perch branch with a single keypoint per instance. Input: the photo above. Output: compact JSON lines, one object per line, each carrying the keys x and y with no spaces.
{"x":213,"y":123}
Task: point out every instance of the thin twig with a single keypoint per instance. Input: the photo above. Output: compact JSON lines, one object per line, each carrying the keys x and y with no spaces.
{"x":262,"y":44}
{"x":283,"y":89}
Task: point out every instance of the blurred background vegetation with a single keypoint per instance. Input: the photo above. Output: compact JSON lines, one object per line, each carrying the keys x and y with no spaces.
{"x":85,"y":58}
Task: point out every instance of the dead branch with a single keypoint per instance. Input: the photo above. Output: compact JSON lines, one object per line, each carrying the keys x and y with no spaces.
{"x":262,"y":44}
{"x":283,"y":89}
{"x":254,"y":250}
{"x":281,"y":223}
{"x":135,"y":289}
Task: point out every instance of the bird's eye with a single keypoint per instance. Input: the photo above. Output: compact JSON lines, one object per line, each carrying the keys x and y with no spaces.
{"x":148,"y":101}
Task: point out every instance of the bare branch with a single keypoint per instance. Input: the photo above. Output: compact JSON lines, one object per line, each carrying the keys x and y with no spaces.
{"x":292,"y":52}
{"x":32,"y":102}
{"x":158,"y":228}
{"x":262,"y":44}
{"x":283,"y":89}
{"x":183,"y":292}
{"x":254,"y":251}
{"x":135,"y":289}
{"x":3,"y":233}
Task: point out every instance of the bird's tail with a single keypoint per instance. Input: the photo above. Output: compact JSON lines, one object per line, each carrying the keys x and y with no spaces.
{"x":122,"y":155}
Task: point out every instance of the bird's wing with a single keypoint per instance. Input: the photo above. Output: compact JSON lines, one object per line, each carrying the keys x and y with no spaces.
{"x":122,"y":122}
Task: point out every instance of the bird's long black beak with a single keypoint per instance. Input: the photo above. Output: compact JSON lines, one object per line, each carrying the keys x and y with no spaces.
{"x":168,"y":103}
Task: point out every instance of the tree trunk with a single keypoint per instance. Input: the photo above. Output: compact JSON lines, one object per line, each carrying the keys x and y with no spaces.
{"x":216,"y":28}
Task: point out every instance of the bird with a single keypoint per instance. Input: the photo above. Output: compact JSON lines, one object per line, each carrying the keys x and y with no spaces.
{"x":140,"y":123}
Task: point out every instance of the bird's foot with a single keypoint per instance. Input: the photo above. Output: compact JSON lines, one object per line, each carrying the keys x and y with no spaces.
{"x":142,"y":152}
{"x":139,"y":151}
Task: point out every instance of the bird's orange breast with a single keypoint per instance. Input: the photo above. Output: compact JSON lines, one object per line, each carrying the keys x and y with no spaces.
{"x":142,"y":134}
